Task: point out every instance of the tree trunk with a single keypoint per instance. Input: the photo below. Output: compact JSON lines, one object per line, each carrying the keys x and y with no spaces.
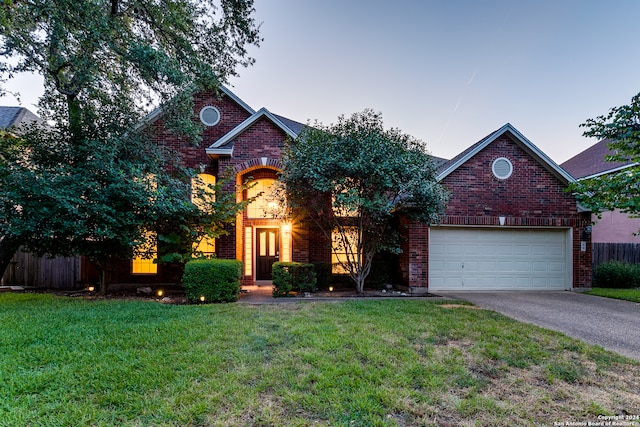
{"x":105,"y":276}
{"x":8,"y":247}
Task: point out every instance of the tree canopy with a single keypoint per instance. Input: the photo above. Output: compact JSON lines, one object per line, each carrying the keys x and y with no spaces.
{"x":91,"y":181}
{"x":352,"y":178}
{"x":620,"y":189}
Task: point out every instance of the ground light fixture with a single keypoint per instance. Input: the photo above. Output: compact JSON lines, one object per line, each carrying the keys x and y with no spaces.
{"x":330,"y":288}
{"x":202,"y":298}
{"x":160,"y":292}
{"x":91,"y":288}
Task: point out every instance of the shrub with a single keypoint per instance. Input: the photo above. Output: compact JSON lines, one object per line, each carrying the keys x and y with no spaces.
{"x":323,"y":274}
{"x":217,"y":280}
{"x":292,"y":276}
{"x":616,"y":274}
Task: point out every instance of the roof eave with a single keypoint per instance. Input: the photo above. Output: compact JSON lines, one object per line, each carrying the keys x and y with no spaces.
{"x":528,"y":145}
{"x":157,"y":112}
{"x":608,"y":171}
{"x":263,"y":112}
{"x":216,"y":153}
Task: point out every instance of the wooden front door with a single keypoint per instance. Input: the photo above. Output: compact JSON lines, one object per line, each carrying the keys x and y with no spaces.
{"x":267,"y":251}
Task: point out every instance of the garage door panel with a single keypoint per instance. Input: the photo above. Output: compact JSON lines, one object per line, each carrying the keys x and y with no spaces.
{"x":492,"y":259}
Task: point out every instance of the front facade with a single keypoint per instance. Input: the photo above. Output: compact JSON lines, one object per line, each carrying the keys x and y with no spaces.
{"x":509,"y":223}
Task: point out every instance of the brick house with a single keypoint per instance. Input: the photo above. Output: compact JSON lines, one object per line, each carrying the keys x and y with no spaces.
{"x":509,"y":222}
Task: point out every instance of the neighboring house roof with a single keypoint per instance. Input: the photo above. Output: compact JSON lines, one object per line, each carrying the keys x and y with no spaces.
{"x":15,"y":116}
{"x":224,"y":146}
{"x":453,"y":164}
{"x":592,"y":161}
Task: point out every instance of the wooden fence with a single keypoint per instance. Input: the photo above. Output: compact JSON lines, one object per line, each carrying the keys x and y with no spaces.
{"x":48,"y":273}
{"x":625,"y":252}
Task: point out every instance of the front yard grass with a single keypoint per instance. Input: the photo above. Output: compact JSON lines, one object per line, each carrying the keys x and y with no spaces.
{"x":625,"y":294}
{"x":78,"y":362}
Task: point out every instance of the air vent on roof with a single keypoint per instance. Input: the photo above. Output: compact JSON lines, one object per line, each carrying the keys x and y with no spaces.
{"x":502,"y":168}
{"x":209,"y":115}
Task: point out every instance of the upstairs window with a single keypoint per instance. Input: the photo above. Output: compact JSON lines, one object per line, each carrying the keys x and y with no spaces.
{"x":263,"y":204}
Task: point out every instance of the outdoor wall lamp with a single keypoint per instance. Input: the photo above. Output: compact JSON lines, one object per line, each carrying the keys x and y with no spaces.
{"x":587,"y":232}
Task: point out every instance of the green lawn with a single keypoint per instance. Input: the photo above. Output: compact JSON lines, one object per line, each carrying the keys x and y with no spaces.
{"x":625,"y":294}
{"x":79,"y":362}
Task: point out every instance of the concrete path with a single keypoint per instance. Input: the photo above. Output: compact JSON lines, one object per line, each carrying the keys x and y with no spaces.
{"x":612,"y":324}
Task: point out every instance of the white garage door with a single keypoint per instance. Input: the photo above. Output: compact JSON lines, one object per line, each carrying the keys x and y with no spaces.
{"x":499,"y":259}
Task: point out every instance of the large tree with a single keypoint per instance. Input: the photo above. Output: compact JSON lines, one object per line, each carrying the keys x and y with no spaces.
{"x":621,"y":189}
{"x":91,"y":181}
{"x":353,"y":178}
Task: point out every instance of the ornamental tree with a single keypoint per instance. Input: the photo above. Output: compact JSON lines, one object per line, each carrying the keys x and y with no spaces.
{"x":353,"y":178}
{"x":91,"y":181}
{"x":621,"y":189}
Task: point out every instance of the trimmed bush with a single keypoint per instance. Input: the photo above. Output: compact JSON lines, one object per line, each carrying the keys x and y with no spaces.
{"x":217,"y":280}
{"x":323,"y":274}
{"x":616,"y":274}
{"x":292,"y":277}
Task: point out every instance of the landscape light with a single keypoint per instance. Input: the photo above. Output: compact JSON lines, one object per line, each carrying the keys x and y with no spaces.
{"x":202,"y":298}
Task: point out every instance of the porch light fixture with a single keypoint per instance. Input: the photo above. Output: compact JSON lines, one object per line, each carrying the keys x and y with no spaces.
{"x":286,"y":227}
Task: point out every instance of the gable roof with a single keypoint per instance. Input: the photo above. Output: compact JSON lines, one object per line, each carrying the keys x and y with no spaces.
{"x":453,"y":164}
{"x":156,"y":113}
{"x":15,"y":116}
{"x":224,"y":145}
{"x":592,"y":161}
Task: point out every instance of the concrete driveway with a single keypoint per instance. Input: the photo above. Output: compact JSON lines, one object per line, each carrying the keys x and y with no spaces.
{"x":612,"y":324}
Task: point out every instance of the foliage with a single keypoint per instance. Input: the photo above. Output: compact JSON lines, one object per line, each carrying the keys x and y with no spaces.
{"x":323,"y":274}
{"x":181,"y":230}
{"x":352,"y":178}
{"x":92,"y":181}
{"x":292,"y":277}
{"x":616,"y":274}
{"x":616,"y":190}
{"x":78,"y":362}
{"x":632,"y":295}
{"x":217,"y":280}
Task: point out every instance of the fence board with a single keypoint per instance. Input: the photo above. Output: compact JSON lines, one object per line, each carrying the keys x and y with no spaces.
{"x":624,"y":252}
{"x":49,"y":273}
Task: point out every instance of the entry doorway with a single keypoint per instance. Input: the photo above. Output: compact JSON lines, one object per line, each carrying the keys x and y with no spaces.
{"x":267,"y":251}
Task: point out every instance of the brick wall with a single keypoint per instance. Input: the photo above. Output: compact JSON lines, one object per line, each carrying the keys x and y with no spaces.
{"x":531,"y":197}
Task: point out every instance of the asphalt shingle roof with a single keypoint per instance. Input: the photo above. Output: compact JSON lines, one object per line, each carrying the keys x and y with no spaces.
{"x":592,"y":161}
{"x":15,"y":116}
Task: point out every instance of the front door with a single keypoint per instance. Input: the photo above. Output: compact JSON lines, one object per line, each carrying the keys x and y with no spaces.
{"x":267,"y":251}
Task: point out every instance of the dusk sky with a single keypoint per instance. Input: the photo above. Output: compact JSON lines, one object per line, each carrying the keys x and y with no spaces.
{"x":446,"y":72}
